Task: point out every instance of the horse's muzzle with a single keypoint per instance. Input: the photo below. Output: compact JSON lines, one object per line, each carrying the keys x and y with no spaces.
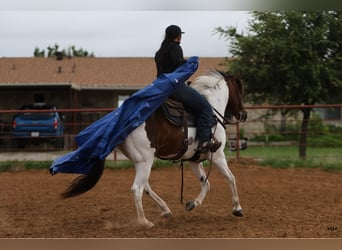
{"x":242,"y":116}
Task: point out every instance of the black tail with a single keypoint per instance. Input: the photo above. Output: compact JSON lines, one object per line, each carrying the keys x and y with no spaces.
{"x":84,"y":183}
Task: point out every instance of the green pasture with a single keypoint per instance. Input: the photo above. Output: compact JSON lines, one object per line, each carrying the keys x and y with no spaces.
{"x":327,"y":158}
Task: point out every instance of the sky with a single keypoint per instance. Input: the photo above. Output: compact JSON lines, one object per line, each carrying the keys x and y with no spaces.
{"x":130,"y":28}
{"x":114,"y":28}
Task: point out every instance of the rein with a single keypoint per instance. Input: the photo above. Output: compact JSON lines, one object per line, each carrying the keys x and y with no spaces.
{"x":225,"y":120}
{"x":204,"y":181}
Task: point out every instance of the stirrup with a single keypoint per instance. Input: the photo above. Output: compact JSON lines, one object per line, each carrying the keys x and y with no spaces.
{"x":203,"y":148}
{"x":214,"y":146}
{"x":211,"y":146}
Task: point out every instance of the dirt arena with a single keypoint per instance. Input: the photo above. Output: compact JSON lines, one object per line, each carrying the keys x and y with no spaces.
{"x":277,"y":203}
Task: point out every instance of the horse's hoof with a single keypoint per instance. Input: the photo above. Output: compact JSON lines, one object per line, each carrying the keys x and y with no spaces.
{"x":189,"y":205}
{"x":145,"y":223}
{"x":238,"y":213}
{"x":166,"y":215}
{"x":148,"y":224}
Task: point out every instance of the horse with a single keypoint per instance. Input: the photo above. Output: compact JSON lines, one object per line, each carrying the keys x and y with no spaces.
{"x":157,"y":137}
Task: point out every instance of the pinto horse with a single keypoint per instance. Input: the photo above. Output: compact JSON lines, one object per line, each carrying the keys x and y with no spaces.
{"x":157,"y":137}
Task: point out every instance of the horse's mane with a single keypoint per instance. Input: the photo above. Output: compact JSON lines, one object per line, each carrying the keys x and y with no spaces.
{"x":204,"y":84}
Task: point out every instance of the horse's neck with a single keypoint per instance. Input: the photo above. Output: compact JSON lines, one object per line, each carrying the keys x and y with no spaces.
{"x":218,"y":102}
{"x":217,"y":97}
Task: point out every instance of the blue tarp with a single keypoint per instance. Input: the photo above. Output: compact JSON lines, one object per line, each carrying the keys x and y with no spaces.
{"x":100,"y":138}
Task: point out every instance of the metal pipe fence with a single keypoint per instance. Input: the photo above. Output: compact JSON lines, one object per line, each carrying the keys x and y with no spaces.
{"x":272,"y":127}
{"x":267,"y":126}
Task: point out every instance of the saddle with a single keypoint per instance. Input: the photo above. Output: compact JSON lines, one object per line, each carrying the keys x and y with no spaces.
{"x":176,"y":114}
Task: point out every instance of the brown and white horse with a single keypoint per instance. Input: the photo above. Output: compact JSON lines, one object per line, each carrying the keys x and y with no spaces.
{"x":157,"y":137}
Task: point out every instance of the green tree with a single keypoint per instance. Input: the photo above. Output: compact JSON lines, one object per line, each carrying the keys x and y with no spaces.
{"x":38,"y":53}
{"x":52,"y":50}
{"x":79,"y":52}
{"x":292,"y":57}
{"x":72,"y":51}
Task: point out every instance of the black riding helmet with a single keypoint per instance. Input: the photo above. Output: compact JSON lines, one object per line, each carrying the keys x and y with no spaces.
{"x":173,"y":31}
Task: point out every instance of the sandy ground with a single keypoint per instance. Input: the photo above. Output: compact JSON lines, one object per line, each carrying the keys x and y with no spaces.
{"x":277,"y":203}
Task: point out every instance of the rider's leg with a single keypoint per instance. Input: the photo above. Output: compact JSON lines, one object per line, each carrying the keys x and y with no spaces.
{"x":203,"y":112}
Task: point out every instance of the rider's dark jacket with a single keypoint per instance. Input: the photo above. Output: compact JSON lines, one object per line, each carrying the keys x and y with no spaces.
{"x":169,"y":58}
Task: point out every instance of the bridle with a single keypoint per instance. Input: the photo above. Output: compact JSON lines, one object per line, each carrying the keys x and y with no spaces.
{"x":241,"y":118}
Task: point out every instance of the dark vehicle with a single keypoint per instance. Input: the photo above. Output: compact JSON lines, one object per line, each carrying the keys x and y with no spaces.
{"x":233,"y":143}
{"x":40,"y":123}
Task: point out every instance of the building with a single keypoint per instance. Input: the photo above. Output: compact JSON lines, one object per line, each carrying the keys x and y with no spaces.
{"x":77,"y":83}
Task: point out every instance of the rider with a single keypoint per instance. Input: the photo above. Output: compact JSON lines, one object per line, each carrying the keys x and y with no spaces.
{"x":167,"y":59}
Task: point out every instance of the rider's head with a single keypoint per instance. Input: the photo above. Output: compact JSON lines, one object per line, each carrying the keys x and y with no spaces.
{"x":173,"y":32}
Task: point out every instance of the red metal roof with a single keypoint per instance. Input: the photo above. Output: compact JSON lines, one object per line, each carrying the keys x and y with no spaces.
{"x":90,"y":72}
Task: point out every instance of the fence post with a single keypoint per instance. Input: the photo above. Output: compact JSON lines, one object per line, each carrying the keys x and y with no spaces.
{"x":237,"y":141}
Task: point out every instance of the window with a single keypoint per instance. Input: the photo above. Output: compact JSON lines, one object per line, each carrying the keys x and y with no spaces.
{"x":121,"y":99}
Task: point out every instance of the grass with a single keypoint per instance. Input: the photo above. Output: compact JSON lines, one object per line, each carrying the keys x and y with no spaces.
{"x":327,"y":158}
{"x":110,"y":164}
{"x":23,"y":165}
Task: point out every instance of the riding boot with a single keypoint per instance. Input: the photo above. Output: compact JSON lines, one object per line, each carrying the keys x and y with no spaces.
{"x":212,"y":146}
{"x":203,"y":147}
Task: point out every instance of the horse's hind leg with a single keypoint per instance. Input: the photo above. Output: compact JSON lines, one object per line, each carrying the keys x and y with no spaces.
{"x":221,"y":163}
{"x":166,"y":212}
{"x":198,"y":170}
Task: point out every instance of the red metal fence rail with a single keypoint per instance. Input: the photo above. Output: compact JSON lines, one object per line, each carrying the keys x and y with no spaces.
{"x":260,"y":120}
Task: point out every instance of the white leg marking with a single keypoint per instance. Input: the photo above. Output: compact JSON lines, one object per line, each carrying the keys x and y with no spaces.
{"x":166,"y":212}
{"x":142,"y":156}
{"x":199,"y":172}
{"x":220,"y":161}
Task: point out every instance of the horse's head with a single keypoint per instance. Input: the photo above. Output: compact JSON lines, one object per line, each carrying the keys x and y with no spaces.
{"x":235,"y":105}
{"x":211,"y":84}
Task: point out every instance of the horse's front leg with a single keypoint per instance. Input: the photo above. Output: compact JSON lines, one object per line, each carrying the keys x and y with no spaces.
{"x":198,"y":170}
{"x":220,"y":161}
